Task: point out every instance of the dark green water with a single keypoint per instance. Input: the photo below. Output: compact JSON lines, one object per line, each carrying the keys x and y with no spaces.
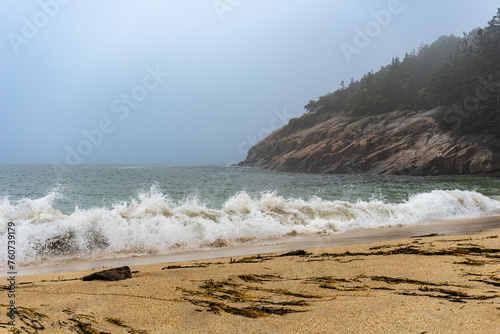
{"x":109,"y":211}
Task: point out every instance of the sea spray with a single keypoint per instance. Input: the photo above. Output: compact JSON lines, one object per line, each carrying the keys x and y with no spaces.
{"x":153,"y":223}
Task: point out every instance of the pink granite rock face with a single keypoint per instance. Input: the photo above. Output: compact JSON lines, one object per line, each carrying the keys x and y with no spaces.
{"x":393,"y":143}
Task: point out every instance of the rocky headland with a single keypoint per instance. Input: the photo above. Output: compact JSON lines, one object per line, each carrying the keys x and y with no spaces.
{"x":399,"y":143}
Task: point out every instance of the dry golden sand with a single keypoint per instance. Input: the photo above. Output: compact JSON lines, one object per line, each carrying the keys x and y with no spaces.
{"x":438,"y":284}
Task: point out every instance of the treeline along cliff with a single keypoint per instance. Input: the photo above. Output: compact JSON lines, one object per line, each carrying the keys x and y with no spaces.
{"x":436,"y":111}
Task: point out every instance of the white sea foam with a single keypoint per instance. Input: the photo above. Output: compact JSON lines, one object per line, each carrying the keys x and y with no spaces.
{"x":154,"y":223}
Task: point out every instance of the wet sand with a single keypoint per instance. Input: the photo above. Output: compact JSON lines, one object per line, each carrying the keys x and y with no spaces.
{"x":464,"y":226}
{"x":392,"y":280}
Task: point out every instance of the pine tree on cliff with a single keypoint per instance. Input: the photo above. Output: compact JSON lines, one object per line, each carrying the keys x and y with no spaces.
{"x":469,"y":86}
{"x":446,"y":73}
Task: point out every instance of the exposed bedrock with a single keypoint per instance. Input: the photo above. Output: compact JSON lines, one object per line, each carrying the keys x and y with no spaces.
{"x":393,"y":143}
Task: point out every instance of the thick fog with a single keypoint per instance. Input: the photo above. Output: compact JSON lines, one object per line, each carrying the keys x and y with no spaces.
{"x":183,"y":82}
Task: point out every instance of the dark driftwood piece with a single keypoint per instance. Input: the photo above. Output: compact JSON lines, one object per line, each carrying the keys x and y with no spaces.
{"x":114,"y":274}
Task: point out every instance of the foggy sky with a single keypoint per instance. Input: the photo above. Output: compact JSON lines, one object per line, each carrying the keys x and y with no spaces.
{"x":182,"y":82}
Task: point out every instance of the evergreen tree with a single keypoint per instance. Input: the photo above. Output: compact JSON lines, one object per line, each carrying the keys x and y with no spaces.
{"x":460,"y":74}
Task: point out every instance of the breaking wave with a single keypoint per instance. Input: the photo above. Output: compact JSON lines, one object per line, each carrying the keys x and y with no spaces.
{"x":153,"y":223}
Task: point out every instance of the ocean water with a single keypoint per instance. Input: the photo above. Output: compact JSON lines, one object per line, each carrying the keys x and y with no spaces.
{"x":117,"y":211}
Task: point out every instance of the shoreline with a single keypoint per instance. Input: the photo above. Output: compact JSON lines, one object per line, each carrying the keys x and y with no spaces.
{"x":440,"y":283}
{"x":464,"y":226}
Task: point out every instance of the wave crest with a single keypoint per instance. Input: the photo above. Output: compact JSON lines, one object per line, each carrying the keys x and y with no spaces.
{"x":154,"y":223}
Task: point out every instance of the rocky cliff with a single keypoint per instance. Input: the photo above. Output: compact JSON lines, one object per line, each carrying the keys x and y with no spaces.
{"x":393,"y":143}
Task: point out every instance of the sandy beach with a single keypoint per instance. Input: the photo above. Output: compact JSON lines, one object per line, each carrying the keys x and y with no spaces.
{"x":394,"y":280}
